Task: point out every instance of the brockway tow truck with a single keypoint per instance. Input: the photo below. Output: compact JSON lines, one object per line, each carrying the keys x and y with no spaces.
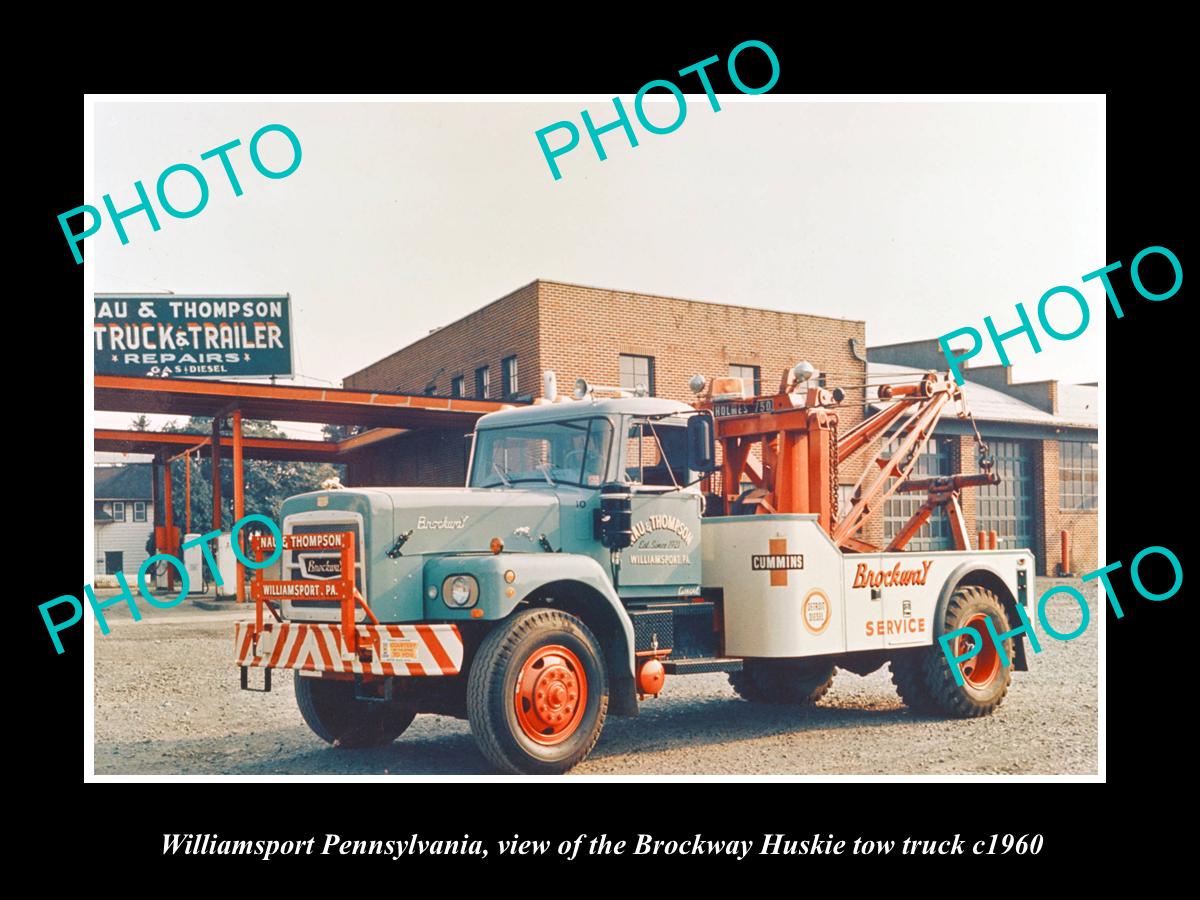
{"x":600,"y":545}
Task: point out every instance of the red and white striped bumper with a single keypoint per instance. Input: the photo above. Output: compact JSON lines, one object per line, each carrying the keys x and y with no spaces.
{"x":320,"y":647}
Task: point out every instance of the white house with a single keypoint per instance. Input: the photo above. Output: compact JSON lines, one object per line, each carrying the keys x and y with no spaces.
{"x":124,"y":518}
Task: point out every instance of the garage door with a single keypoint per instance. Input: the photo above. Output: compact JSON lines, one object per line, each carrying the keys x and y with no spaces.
{"x":1007,"y":507}
{"x":934,"y":534}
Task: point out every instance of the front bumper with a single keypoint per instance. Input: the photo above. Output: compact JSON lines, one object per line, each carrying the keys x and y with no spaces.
{"x":382,"y":650}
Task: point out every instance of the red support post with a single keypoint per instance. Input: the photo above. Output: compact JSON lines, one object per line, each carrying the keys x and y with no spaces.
{"x":216,"y":473}
{"x":239,"y":499}
{"x":187,"y":494}
{"x":168,"y":523}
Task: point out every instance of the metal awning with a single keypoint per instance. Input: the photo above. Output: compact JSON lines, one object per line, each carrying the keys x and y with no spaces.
{"x":286,"y":403}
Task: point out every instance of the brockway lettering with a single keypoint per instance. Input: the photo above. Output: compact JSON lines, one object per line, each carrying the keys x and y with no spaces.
{"x":427,"y":524}
{"x":647,"y":844}
{"x":895,"y":576}
{"x":322,"y":566}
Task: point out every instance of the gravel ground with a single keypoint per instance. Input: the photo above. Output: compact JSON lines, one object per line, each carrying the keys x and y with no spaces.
{"x":167,"y":702}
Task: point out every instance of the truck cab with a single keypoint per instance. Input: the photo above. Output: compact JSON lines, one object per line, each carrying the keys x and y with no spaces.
{"x":570,"y":452}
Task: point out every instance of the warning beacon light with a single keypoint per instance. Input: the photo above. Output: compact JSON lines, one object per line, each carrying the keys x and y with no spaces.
{"x":803,"y":371}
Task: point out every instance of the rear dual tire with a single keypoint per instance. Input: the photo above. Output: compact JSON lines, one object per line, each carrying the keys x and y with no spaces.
{"x":783,"y":681}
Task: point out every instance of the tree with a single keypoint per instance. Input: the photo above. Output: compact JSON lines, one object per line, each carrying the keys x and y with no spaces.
{"x":340,"y":432}
{"x":267,"y":482}
{"x":141,"y":423}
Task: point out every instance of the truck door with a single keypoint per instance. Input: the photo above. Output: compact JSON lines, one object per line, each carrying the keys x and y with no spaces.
{"x":664,"y":559}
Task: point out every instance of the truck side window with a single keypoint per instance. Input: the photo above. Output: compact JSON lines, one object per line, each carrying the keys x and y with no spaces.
{"x":654,"y":452}
{"x":599,"y":444}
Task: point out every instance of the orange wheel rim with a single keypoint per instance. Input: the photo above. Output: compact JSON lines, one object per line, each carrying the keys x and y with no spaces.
{"x":551,"y":694}
{"x":980,"y":670}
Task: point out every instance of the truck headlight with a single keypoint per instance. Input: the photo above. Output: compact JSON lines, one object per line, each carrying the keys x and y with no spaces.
{"x":460,"y":591}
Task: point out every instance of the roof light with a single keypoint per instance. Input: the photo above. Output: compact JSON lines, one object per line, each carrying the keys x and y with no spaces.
{"x":804,"y":370}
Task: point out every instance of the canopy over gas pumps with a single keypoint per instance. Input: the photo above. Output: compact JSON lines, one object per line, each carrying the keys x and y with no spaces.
{"x":385,"y":414}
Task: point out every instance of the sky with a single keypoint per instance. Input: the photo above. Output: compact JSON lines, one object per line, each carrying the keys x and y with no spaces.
{"x":918,"y":217}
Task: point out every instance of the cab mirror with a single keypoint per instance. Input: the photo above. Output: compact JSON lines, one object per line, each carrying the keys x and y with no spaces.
{"x":702,"y":455}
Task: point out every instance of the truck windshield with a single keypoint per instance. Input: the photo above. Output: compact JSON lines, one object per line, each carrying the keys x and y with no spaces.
{"x":574,"y":453}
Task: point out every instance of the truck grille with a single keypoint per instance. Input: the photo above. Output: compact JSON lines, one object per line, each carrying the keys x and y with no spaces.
{"x":307,"y":565}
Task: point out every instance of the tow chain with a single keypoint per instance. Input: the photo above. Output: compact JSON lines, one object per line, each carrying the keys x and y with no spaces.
{"x":833,"y":472}
{"x":986,"y":461}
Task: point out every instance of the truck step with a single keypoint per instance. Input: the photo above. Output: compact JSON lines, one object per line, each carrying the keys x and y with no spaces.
{"x":700,"y":666}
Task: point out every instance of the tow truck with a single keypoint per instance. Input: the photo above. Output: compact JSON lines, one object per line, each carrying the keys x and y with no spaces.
{"x":608,"y":540}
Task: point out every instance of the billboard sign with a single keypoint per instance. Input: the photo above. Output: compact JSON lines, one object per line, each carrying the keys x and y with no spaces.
{"x":174,"y":335}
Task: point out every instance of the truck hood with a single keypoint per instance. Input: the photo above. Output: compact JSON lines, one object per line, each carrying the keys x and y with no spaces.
{"x":465,"y":520}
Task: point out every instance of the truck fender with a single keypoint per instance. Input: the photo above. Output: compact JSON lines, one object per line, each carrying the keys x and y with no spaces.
{"x":578,"y":585}
{"x":984,"y":575}
{"x":572,"y":582}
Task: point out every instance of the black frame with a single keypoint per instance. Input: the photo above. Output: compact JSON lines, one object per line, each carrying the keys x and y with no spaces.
{"x":509,"y":382}
{"x":757,"y":370}
{"x":649,"y":371}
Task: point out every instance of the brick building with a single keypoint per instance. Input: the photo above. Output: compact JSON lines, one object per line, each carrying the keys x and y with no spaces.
{"x":1043,"y":433}
{"x":608,"y":337}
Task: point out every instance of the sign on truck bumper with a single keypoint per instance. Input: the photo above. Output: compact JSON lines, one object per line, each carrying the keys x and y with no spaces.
{"x":320,"y":647}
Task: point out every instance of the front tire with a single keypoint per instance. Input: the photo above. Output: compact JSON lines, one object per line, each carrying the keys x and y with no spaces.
{"x":923,"y":677}
{"x":537,"y":693}
{"x":788,"y":681}
{"x":330,"y":709}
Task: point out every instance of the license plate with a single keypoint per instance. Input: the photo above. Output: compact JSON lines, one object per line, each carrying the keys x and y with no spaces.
{"x":742,"y":407}
{"x":392,"y":650}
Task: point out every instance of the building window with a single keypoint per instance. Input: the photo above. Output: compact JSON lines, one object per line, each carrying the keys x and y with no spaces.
{"x":637,"y":371}
{"x":1008,"y":508}
{"x":114,"y":561}
{"x":508,"y":376}
{"x":139,"y":510}
{"x":456,"y":386}
{"x":898,"y":509}
{"x":751,"y":377}
{"x":118,"y":511}
{"x":482,"y":376}
{"x":1077,"y":468}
